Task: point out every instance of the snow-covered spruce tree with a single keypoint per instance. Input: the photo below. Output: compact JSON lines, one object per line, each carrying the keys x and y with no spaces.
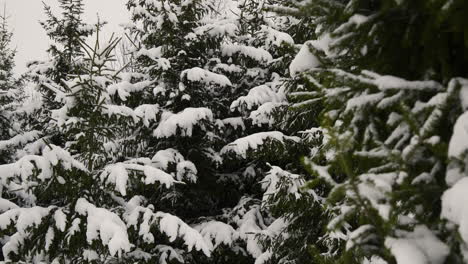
{"x":9,"y":91}
{"x":66,"y":32}
{"x":268,"y":151}
{"x":199,"y":64}
{"x":392,"y":162}
{"x":184,"y":98}
{"x":79,"y":205}
{"x":47,"y":77}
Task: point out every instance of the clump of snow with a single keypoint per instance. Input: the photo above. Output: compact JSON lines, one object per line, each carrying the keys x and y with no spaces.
{"x":124,"y":88}
{"x":249,"y":228}
{"x":169,"y":255}
{"x":153,"y":53}
{"x":60,"y":219}
{"x":364,"y":100}
{"x":276,"y":179}
{"x":264,"y":115}
{"x":174,"y":227}
{"x":20,"y":139}
{"x":388,"y":82}
{"x":200,"y":75}
{"x":234,"y":122}
{"x":104,"y":225}
{"x":323,"y":44}
{"x":23,"y":219}
{"x":276,"y":38}
{"x":254,"y":141}
{"x":418,"y":247}
{"x":186,"y":170}
{"x":230,"y":68}
{"x":375,"y":186}
{"x":459,"y":142}
{"x":184,"y":121}
{"x":374,"y":260}
{"x":257,"y":54}
{"x":218,"y":232}
{"x":163,"y":158}
{"x":454,"y":208}
{"x":277,"y":228}
{"x":217,"y":27}
{"x":51,"y":156}
{"x":303,"y":61}
{"x":463,"y":93}
{"x":120,"y":111}
{"x":6,"y":205}
{"x":256,"y":97}
{"x":264,"y":257}
{"x":118,"y":175}
{"x":356,"y":20}
{"x":147,"y":113}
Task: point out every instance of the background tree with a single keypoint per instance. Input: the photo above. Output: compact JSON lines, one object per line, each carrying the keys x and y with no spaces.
{"x":78,"y":203}
{"x":66,"y":31}
{"x":10,"y":91}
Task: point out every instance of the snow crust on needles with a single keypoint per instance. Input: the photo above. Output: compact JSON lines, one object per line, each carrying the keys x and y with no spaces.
{"x":257,"y":54}
{"x":185,"y":121}
{"x":117,"y":174}
{"x":304,"y":60}
{"x":455,"y":199}
{"x":257,"y":96}
{"x":454,"y":207}
{"x":200,"y":75}
{"x":459,"y":141}
{"x":418,"y":247}
{"x":242,"y":145}
{"x":103,"y":224}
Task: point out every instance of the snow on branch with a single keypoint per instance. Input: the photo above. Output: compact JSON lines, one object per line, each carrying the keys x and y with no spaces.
{"x":387,"y":82}
{"x":20,"y":139}
{"x":22,"y":219}
{"x":124,"y":88}
{"x":217,"y":27}
{"x":117,"y":175}
{"x":104,"y":225}
{"x":257,"y":96}
{"x":218,"y":232}
{"x":257,"y":54}
{"x":304,"y":60}
{"x":277,"y":180}
{"x":174,"y":227}
{"x":200,"y":75}
{"x":44,"y":164}
{"x":143,"y":218}
{"x":184,"y":121}
{"x":241,"y":146}
{"x":265,"y":113}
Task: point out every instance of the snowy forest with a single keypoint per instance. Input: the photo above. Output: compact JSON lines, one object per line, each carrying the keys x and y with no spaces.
{"x":239,"y":132}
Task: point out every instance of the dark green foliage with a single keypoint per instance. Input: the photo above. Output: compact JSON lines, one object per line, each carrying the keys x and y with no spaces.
{"x":384,"y":154}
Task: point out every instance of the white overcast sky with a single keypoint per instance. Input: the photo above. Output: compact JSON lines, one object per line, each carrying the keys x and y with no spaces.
{"x":29,"y":37}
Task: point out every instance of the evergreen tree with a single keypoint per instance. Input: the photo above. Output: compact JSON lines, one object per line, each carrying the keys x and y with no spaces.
{"x":266,"y":155}
{"x":66,"y":31}
{"x":73,"y":197}
{"x":206,"y":68}
{"x":386,"y":165}
{"x":9,"y":91}
{"x":242,"y":131}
